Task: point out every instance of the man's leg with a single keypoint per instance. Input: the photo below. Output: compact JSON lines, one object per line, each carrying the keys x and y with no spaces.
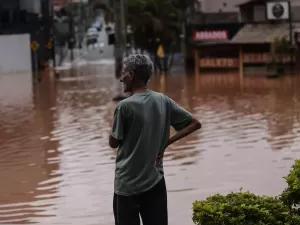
{"x":126,"y":210}
{"x":154,"y":205}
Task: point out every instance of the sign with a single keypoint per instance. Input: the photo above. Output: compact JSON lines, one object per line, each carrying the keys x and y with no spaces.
{"x":78,"y":1}
{"x":34,"y":46}
{"x":217,"y":35}
{"x":279,"y":10}
{"x":248,"y":58}
{"x":219,"y":63}
{"x":263,"y":58}
{"x":253,"y":58}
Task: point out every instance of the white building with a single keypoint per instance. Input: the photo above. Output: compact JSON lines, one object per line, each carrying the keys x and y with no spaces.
{"x":15,"y":34}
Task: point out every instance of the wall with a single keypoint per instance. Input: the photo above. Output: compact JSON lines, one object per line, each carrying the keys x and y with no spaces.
{"x":33,"y":6}
{"x":15,"y":53}
{"x":223,"y":5}
{"x":295,"y":2}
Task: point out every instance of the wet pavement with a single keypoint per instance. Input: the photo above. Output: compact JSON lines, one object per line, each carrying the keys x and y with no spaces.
{"x":56,"y":166}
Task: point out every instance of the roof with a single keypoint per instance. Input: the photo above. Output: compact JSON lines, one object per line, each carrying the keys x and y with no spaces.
{"x":209,"y":43}
{"x":249,"y":2}
{"x":214,"y":18}
{"x":261,"y":33}
{"x":221,"y":17}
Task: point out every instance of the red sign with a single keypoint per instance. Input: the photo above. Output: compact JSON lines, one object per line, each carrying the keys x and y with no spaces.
{"x":214,"y":35}
{"x":252,"y":58}
{"x":219,"y":63}
{"x":248,"y":58}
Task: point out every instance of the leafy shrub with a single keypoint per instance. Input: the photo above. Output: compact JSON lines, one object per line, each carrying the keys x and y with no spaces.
{"x":291,"y":195}
{"x":240,"y":209}
{"x":245,"y":208}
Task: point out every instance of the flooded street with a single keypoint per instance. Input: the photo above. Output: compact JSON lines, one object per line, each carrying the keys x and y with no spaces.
{"x":56,"y":166}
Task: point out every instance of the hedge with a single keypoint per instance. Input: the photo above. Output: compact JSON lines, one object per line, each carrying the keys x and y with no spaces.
{"x":245,"y":208}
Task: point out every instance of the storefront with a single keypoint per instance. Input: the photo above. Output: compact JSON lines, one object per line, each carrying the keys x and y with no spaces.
{"x":208,"y":35}
{"x":250,"y":47}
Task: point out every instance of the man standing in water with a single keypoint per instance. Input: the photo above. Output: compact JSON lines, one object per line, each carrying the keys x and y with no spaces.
{"x":141,"y":132}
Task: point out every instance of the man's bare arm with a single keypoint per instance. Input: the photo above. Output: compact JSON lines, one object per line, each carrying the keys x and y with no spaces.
{"x":114,"y":143}
{"x":193,"y":125}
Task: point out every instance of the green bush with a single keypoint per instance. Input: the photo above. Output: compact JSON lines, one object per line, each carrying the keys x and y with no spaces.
{"x":245,"y":208}
{"x":291,"y":195}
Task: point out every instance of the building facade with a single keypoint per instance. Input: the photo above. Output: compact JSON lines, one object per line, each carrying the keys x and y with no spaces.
{"x":213,"y":6}
{"x":249,"y":45}
{"x":31,"y":17}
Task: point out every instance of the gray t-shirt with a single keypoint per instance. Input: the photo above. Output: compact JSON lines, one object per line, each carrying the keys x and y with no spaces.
{"x":142,"y":123}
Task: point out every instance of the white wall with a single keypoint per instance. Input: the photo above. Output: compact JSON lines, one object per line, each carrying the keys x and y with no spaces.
{"x":295,"y":2}
{"x":230,"y":5}
{"x":33,"y":6}
{"x":15,"y":53}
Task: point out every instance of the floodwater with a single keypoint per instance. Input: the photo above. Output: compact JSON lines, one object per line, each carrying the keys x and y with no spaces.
{"x":56,"y":166}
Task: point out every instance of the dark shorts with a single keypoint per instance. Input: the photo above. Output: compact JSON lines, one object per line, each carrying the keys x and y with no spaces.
{"x":150,"y":205}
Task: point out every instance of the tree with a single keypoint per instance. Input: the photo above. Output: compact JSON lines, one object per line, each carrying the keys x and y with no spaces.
{"x":280,"y":47}
{"x":153,"y":23}
{"x":157,"y":22}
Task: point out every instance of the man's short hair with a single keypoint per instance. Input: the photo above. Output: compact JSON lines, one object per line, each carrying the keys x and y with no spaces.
{"x":140,"y":65}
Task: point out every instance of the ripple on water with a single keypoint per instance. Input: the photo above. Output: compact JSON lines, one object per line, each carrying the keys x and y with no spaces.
{"x":59,"y":169}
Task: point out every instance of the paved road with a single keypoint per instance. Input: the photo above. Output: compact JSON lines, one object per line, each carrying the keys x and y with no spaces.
{"x":102,"y":53}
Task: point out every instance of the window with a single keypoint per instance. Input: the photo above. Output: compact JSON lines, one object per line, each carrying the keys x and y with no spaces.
{"x":259,"y":13}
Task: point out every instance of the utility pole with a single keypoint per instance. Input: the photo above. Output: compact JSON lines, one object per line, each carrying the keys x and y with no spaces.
{"x":291,"y":37}
{"x":80,"y":24}
{"x":120,"y":43}
{"x":52,"y":35}
{"x":45,"y":10}
{"x":120,"y":35}
{"x":71,"y":31}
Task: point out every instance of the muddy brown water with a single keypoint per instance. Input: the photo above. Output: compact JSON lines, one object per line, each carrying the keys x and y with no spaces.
{"x":56,"y":166}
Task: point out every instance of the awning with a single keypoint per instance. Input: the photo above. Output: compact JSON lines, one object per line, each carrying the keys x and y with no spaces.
{"x":262,"y":33}
{"x":247,"y":2}
{"x":212,"y":43}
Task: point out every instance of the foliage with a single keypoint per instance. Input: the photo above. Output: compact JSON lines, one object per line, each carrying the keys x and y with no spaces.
{"x":291,"y":195}
{"x":240,"y":209}
{"x":279,"y":47}
{"x":245,"y":208}
{"x":156,"y":22}
{"x":156,"y":19}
